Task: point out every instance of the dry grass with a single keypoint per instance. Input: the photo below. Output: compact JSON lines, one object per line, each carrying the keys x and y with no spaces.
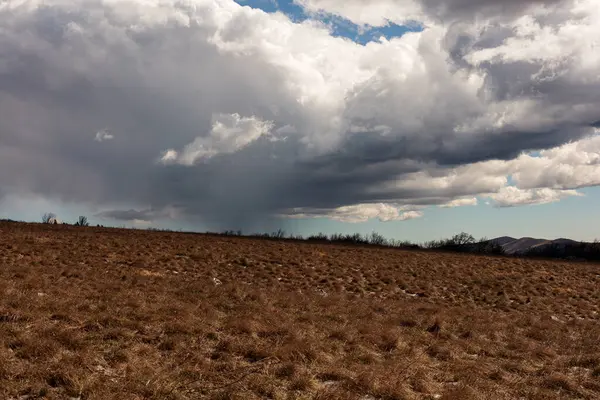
{"x":115,"y":314}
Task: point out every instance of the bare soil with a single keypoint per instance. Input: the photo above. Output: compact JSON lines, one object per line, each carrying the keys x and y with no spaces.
{"x":93,"y":313}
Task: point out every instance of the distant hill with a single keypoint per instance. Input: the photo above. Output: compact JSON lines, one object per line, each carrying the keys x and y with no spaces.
{"x":522,"y":245}
{"x":557,"y":243}
{"x":558,"y":248}
{"x":512,"y":246}
{"x":503,"y":240}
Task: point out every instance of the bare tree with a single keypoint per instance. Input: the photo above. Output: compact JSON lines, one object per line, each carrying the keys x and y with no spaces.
{"x":48,"y":218}
{"x":82,"y":221}
{"x":377,"y":239}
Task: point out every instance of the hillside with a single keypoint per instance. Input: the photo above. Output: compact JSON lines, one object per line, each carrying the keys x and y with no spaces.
{"x":522,"y":245}
{"x":93,"y":313}
{"x":503,"y":240}
{"x":558,"y":248}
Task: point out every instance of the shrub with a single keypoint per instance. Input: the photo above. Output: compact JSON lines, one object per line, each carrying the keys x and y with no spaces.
{"x":378,"y":239}
{"x":319,"y":237}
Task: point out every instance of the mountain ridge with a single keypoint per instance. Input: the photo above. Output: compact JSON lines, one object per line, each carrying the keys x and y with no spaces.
{"x":524,"y":245}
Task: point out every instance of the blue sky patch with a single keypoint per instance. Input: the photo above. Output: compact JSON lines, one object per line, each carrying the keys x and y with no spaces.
{"x":340,"y":27}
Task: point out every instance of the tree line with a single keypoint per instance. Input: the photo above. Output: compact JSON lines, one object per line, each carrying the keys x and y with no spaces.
{"x":462,"y":242}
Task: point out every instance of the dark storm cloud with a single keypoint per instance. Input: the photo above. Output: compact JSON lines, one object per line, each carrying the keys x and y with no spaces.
{"x":445,"y":149}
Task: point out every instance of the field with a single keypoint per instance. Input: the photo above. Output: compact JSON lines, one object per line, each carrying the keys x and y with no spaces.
{"x":94,"y":313}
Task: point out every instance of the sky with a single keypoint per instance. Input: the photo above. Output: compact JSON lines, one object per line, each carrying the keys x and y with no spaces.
{"x":417,"y":119}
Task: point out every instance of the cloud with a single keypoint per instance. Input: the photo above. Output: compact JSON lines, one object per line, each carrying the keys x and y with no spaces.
{"x":571,"y":166}
{"x":380,"y":12}
{"x":137,"y":216}
{"x":511,"y":196}
{"x":229,"y":134}
{"x":169,"y":156}
{"x":360,"y":213}
{"x":232,"y":115}
{"x":472,"y":201}
{"x":128,"y":215}
{"x":103,"y":135}
{"x":373,"y":13}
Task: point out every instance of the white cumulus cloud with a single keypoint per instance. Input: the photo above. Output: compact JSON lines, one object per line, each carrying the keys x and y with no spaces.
{"x":103,"y":135}
{"x":571,"y":166}
{"x":229,"y":134}
{"x":361,"y":213}
{"x":511,"y":196}
{"x":471,"y":201}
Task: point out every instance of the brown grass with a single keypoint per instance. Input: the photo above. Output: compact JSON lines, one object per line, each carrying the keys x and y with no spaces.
{"x":94,"y":313}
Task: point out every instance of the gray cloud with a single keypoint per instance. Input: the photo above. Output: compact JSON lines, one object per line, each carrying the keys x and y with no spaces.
{"x":461,"y":9}
{"x":215,"y":84}
{"x":380,"y":12}
{"x":129,"y":215}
